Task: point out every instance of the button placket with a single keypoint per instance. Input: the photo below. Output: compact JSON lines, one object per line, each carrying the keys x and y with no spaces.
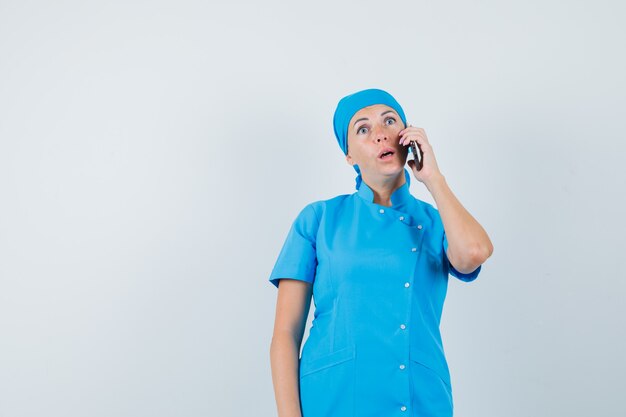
{"x":403,"y":326}
{"x":407,"y":284}
{"x":401,"y":217}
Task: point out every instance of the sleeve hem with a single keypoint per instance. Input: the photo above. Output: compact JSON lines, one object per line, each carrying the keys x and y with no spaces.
{"x":275,"y":281}
{"x":471,"y":276}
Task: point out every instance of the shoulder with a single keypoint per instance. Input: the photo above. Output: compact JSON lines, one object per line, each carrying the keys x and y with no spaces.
{"x":428,"y":210}
{"x":314,"y":214}
{"x":320,"y":207}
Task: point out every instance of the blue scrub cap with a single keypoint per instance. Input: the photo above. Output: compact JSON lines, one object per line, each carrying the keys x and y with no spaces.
{"x":349,"y":105}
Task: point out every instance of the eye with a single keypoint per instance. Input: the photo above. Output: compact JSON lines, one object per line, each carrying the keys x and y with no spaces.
{"x":390,"y":118}
{"x":361,"y":128}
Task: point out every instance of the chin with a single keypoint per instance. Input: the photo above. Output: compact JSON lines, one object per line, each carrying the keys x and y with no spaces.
{"x":392,"y":165}
{"x":392,"y":170}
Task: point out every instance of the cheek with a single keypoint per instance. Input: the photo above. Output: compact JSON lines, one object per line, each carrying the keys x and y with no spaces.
{"x":363,"y":154}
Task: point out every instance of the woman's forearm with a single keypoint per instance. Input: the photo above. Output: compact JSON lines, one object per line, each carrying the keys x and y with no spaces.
{"x":284,"y":358}
{"x":468,"y":243}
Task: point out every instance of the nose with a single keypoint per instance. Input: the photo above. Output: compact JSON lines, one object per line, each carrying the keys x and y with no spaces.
{"x":380,"y":135}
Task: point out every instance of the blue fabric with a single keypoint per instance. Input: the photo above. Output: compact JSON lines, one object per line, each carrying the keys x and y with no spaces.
{"x":352,"y":103}
{"x":373,"y":270}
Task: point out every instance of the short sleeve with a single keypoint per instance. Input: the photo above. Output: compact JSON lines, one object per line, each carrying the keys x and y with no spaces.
{"x":463,"y":277}
{"x":297,"y":258}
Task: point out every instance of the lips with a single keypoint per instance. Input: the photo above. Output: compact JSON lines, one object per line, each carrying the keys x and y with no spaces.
{"x":385,"y":151}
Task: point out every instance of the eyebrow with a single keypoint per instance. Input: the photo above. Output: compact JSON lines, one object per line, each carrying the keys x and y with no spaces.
{"x":365,"y":118}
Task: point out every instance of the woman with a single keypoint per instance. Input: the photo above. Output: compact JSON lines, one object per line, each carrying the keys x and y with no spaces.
{"x":377,"y":264}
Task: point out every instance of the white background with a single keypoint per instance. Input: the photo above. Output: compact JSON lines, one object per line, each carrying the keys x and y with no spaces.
{"x":153,"y":155}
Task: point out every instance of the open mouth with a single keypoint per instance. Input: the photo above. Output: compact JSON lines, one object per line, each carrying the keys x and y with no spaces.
{"x":386,"y":154}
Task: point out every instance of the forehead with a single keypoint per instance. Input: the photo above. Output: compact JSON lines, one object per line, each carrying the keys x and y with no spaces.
{"x":371,"y":112}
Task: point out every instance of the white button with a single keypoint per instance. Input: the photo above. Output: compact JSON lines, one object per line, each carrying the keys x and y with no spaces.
{"x":407,"y":284}
{"x":401,"y":218}
{"x":381,"y":211}
{"x":413,"y":249}
{"x":402,"y":326}
{"x":402,"y":366}
{"x":419,"y":226}
{"x":403,"y":408}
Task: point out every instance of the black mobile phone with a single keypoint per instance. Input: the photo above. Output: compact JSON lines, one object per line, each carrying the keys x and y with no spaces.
{"x":417,"y":154}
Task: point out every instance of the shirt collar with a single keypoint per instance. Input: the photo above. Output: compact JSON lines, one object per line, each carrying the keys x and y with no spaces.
{"x":399,"y":197}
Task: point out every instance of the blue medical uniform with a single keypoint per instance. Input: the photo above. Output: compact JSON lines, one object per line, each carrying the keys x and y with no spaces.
{"x":379,"y":277}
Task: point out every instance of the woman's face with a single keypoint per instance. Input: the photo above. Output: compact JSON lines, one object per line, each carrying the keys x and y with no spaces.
{"x":373,"y":129}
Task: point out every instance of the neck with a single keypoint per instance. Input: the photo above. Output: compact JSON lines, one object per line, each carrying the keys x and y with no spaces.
{"x":383,"y":187}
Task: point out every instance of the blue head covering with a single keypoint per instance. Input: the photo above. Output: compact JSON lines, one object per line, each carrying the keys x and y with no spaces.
{"x":352,"y":103}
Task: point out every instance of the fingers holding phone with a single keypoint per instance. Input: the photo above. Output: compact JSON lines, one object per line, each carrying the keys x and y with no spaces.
{"x":424,"y":165}
{"x":417,"y":154}
{"x":415,"y":147}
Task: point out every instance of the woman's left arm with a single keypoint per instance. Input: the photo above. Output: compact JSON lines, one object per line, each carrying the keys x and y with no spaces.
{"x":468,"y":243}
